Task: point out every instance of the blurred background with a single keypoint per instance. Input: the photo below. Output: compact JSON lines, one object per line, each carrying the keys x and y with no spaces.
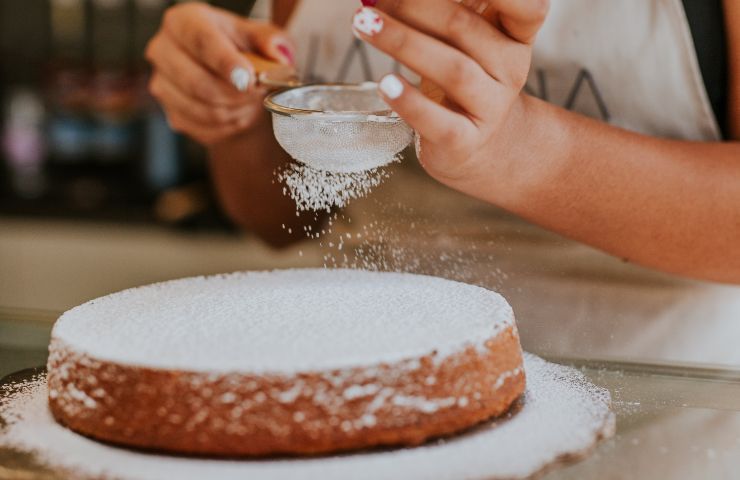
{"x":97,"y":193}
{"x":81,"y":139}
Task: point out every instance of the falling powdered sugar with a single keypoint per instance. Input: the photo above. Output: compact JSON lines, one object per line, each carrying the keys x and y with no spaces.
{"x":562,"y":415}
{"x":314,"y":190}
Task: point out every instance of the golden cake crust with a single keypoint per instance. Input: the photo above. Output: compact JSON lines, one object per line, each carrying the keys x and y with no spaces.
{"x":236,"y":414}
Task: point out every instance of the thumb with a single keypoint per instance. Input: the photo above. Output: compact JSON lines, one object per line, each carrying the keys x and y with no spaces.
{"x":268,"y":40}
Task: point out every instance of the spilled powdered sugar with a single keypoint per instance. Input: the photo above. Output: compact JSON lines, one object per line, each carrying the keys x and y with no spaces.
{"x":560,"y":414}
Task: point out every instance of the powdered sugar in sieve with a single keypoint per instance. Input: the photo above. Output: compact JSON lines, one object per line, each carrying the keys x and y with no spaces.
{"x":338,"y":128}
{"x":561,"y":414}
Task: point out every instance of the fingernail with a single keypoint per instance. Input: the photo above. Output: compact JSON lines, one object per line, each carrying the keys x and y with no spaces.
{"x":391,"y":86}
{"x":287,"y":53}
{"x":369,"y":3}
{"x":367,"y":21}
{"x":240,"y":78}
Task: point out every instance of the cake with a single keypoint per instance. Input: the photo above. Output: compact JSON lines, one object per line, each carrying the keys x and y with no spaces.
{"x":291,"y":362}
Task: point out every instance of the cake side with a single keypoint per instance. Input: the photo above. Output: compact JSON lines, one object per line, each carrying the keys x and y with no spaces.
{"x":241,"y":414}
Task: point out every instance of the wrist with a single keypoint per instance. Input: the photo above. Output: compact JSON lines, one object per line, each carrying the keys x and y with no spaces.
{"x":256,"y":124}
{"x":537,"y":145}
{"x":506,"y":164}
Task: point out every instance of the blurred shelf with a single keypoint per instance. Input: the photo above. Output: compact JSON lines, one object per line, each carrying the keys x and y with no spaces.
{"x":134,"y":211}
{"x":125,"y":212}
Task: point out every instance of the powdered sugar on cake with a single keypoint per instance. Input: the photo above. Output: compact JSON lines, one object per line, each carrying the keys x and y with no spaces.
{"x":240,"y":322}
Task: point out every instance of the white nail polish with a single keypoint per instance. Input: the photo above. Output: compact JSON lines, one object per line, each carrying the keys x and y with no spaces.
{"x":391,"y":86}
{"x":241,"y":77}
{"x":367,"y":21}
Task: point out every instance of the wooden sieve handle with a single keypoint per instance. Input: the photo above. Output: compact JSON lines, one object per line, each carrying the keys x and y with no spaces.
{"x":270,"y":72}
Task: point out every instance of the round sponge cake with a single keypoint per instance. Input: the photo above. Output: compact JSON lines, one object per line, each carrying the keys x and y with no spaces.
{"x":284,"y":362}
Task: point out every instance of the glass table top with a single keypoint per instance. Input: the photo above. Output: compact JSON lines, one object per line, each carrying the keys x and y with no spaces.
{"x":676,"y":421}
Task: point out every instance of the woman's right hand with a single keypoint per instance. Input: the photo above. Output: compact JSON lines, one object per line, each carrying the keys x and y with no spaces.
{"x":200,"y":76}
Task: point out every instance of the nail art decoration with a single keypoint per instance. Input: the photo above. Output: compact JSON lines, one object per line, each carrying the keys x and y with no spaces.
{"x":391,"y":86}
{"x":240,"y":78}
{"x":367,"y":21}
{"x":369,"y":3}
{"x":287,"y":53}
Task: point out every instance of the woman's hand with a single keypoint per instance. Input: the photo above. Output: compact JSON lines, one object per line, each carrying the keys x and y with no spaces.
{"x":644,"y":199}
{"x":481,"y":66}
{"x":205,"y":84}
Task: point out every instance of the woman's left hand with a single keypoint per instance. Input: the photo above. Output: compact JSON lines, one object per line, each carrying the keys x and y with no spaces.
{"x":480,"y":66}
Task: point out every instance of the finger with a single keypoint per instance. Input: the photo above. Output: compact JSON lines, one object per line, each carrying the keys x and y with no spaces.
{"x":462,"y":79}
{"x":169,"y":94}
{"x":264,"y":38}
{"x":207,"y":42}
{"x":432,"y":121}
{"x":459,"y":26}
{"x":193,"y":79}
{"x":203,"y":134}
{"x":520,"y":19}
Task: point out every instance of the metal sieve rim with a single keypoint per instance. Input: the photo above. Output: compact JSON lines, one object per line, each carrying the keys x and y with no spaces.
{"x":276,"y":108}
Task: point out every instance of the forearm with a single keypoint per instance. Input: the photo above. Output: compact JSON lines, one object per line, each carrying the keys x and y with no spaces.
{"x":670,"y":205}
{"x":243,"y":169}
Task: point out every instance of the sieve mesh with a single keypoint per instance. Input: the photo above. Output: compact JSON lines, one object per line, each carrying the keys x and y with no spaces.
{"x":338,"y":128}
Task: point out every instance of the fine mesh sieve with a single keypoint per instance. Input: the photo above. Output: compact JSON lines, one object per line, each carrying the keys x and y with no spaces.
{"x":338,"y":128}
